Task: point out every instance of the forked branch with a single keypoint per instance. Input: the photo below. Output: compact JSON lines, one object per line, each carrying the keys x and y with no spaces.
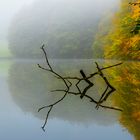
{"x":67,"y":82}
{"x":50,"y":69}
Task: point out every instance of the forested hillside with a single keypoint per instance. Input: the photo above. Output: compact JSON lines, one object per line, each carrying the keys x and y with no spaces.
{"x":121,"y":37}
{"x":67,"y":27}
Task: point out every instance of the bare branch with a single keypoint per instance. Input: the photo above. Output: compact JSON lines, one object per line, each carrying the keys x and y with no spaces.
{"x":102,"y":96}
{"x":45,"y":53}
{"x":112,"y":89}
{"x":91,"y":99}
{"x":88,"y":87}
{"x":43,"y":68}
{"x":93,"y":74}
{"x":56,"y":75}
{"x":112,"y":66}
{"x":48,"y":113}
{"x":67,"y":82}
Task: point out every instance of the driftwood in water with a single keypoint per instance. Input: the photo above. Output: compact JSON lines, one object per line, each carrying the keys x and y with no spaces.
{"x":68,"y":83}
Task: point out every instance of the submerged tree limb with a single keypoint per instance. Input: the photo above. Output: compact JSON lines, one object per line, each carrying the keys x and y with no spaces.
{"x":50,"y":69}
{"x":88,"y":87}
{"x":67,"y":82}
{"x":90,"y":98}
{"x":93,"y":74}
{"x":104,"y":95}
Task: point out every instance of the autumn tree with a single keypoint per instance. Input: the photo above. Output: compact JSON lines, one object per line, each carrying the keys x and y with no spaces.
{"x":122,"y":40}
{"x":126,"y":80}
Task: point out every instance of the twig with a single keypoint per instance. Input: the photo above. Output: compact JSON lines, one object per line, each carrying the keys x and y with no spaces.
{"x":48,"y":113}
{"x":93,"y":74}
{"x":91,"y":99}
{"x":112,"y":89}
{"x":102,"y":97}
{"x":46,"y":58}
{"x":68,"y":84}
{"x":60,"y":77}
{"x":88,"y":87}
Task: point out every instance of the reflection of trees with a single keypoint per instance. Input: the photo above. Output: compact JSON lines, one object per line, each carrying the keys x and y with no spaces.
{"x":30,"y":90}
{"x":127,"y":81}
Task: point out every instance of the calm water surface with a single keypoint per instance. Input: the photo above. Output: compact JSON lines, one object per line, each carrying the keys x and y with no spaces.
{"x":25,"y":88}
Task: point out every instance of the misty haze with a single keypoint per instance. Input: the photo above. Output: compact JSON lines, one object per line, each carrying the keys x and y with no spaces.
{"x":69,"y":68}
{"x":68,"y":28}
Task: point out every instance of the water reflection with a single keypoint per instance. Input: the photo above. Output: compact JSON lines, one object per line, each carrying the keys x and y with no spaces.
{"x":127,"y":81}
{"x":30,"y":88}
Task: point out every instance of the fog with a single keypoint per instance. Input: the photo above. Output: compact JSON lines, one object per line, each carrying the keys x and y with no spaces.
{"x":8,"y":9}
{"x":68,"y":27}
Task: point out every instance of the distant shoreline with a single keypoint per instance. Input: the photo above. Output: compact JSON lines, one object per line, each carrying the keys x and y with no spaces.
{"x":11,"y":58}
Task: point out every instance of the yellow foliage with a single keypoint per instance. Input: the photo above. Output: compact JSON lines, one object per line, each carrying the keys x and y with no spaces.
{"x":123,"y":39}
{"x":136,"y":115}
{"x":126,"y":80}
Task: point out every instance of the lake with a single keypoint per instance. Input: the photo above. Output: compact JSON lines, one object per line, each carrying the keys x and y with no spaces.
{"x":25,"y":88}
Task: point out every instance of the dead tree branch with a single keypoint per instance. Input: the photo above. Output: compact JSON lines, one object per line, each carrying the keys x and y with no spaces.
{"x":90,"y":98}
{"x":88,"y":87}
{"x":93,"y":74}
{"x":67,"y":82}
{"x":50,"y":69}
{"x":104,"y":95}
